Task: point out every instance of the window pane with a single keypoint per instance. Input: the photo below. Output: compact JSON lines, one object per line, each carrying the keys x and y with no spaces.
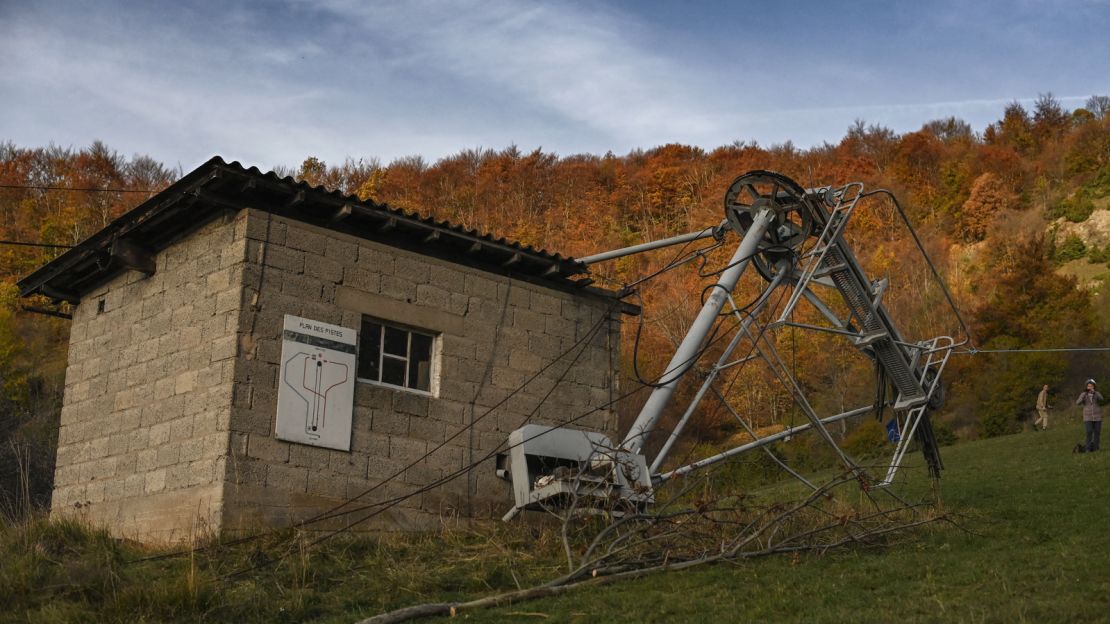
{"x":421,"y":347}
{"x":393,"y":371}
{"x":396,"y":341}
{"x":369,"y":350}
{"x":420,"y":362}
{"x":420,"y":375}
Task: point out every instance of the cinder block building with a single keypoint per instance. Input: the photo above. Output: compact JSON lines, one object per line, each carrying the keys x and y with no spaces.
{"x":182,"y":310}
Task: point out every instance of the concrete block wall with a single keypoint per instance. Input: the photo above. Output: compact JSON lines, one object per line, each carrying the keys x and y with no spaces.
{"x":171,"y":390}
{"x":493,"y":334}
{"x":143,"y":442}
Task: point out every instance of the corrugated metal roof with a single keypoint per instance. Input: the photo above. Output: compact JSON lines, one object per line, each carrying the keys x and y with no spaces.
{"x":217,"y":187}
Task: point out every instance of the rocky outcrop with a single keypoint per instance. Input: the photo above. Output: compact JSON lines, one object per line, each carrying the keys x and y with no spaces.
{"x":1095,"y":231}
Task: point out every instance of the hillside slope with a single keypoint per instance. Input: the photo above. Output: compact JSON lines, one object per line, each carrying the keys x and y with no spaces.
{"x":1034,"y":550}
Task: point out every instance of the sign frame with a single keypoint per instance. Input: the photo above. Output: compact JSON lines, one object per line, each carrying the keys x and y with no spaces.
{"x":316,"y":383}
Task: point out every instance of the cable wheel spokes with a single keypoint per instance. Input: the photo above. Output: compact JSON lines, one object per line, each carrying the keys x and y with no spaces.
{"x":792,"y":223}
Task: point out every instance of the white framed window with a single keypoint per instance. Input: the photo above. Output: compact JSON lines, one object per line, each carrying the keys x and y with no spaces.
{"x":397,"y":356}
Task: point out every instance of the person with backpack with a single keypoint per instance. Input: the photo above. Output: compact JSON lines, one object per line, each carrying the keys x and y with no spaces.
{"x":1092,"y":414}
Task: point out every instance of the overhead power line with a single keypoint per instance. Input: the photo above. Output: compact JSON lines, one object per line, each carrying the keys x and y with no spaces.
{"x":26,"y":244}
{"x":71,"y":188}
{"x":1047,"y":350}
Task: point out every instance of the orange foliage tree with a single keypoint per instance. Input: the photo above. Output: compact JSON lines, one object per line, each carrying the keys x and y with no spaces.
{"x":953,"y":184}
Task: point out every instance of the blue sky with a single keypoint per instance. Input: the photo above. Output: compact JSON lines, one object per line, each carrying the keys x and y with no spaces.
{"x":269,"y":83}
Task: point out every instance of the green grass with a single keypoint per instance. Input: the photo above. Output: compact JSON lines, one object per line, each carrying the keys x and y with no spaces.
{"x":60,"y":571}
{"x":1086,"y":272}
{"x":1037,"y":520}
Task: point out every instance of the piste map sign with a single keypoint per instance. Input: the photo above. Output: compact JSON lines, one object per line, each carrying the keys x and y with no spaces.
{"x":316,"y":385}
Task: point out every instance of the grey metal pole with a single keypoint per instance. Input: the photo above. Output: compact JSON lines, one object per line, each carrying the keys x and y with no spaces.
{"x":712,"y":376}
{"x":785,"y":433}
{"x":687,"y":351}
{"x":659,"y":244}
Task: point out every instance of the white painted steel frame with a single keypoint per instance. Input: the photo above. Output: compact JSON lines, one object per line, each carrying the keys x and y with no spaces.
{"x":722,"y":363}
{"x":785,"y":433}
{"x":914,"y":416}
{"x":688,"y":350}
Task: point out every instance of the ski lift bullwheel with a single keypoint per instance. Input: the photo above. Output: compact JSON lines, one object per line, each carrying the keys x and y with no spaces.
{"x":791,"y":224}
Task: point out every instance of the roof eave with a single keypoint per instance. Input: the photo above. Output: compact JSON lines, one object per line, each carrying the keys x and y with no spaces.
{"x":217,"y":186}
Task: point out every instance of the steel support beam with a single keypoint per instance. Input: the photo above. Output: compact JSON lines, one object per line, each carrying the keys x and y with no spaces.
{"x":688,"y":351}
{"x":779,"y":368}
{"x":785,"y":433}
{"x":659,"y":244}
{"x":722,"y":363}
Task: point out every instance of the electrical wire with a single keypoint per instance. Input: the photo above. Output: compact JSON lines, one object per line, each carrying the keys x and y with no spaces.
{"x":34,"y":187}
{"x":491,"y":454}
{"x":769,"y":248}
{"x":975,"y":351}
{"x":569,"y":421}
{"x":375,"y":509}
{"x":741,"y":308}
{"x":535,"y":409}
{"x":26,"y":244}
{"x":636,"y":353}
{"x":675,"y":263}
{"x":383,"y":506}
{"x":968,"y":339}
{"x":335,"y":510}
{"x":581,"y":342}
{"x":627,"y":288}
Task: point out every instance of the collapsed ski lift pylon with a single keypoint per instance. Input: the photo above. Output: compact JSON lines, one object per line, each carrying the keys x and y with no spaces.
{"x":775,"y":218}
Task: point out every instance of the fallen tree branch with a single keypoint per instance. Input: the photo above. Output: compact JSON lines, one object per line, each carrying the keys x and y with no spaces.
{"x":454,"y":608}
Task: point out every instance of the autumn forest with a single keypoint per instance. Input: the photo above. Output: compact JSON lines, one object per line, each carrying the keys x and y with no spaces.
{"x":1014,"y":216}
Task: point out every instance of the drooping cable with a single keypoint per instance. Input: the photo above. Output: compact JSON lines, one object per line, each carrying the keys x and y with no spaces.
{"x":375,"y":509}
{"x":974,"y":351}
{"x":928,"y":261}
{"x":27,"y":244}
{"x":495,"y":343}
{"x":338,"y":510}
{"x":739,"y":312}
{"x":35,"y":187}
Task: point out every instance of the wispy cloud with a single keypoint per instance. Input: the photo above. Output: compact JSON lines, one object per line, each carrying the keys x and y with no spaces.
{"x":271,"y":83}
{"x":161,"y":91}
{"x":579,"y":64}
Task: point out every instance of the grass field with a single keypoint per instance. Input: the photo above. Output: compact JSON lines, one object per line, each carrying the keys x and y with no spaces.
{"x":1035,"y":549}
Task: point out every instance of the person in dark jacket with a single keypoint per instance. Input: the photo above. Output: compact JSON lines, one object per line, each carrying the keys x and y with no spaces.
{"x":1092,"y":414}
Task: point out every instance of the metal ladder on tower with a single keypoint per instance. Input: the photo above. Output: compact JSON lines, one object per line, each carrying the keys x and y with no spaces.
{"x":834,"y":223}
{"x":916,"y":420}
{"x":831,"y":263}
